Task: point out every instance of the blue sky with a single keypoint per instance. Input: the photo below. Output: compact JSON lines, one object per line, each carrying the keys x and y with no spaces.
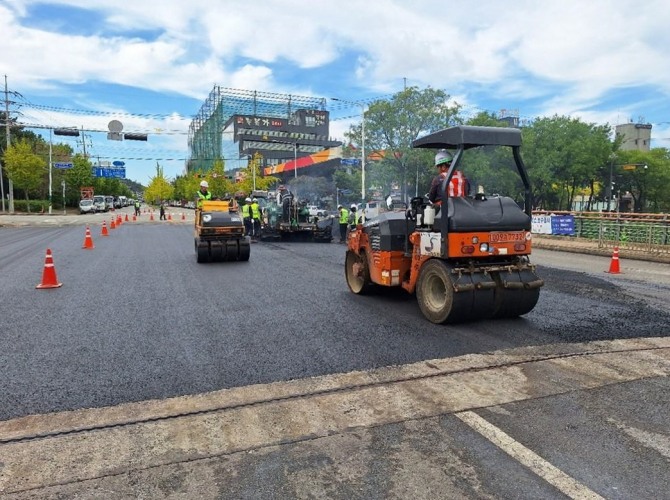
{"x":151,"y":63}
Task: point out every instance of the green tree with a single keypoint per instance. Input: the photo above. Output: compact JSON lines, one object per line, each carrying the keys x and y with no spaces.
{"x":78,"y":176}
{"x":25,"y":168}
{"x":564,"y":155}
{"x":645,"y":176}
{"x":348,"y":186}
{"x":252,"y":175}
{"x":184,"y":187}
{"x":159,"y":189}
{"x":392,"y":125}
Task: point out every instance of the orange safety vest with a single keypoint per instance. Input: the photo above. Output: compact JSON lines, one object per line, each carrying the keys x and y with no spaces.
{"x":457,"y":185}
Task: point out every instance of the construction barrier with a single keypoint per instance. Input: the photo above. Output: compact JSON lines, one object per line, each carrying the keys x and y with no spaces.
{"x":49,"y":279}
{"x":614,"y":263}
{"x":88,"y":240}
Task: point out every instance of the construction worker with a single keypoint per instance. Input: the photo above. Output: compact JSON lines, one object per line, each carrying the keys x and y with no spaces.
{"x":137,"y":207}
{"x":255,"y":218}
{"x":344,"y":222}
{"x":246,"y":217}
{"x":354,"y":218}
{"x":285,"y":198}
{"x":458,"y":186}
{"x":203,"y":194}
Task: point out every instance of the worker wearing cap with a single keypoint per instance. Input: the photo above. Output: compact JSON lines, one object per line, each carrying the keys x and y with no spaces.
{"x":458,"y":186}
{"x":246,"y":216}
{"x":344,"y":221}
{"x":203,"y":194}
{"x":255,"y":219}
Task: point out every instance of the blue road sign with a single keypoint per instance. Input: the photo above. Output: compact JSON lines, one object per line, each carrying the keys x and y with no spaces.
{"x":349,"y":161}
{"x":63,"y":165}
{"x":117,"y":173}
{"x":118,"y":163}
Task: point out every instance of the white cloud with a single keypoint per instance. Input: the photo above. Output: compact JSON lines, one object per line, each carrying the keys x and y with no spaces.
{"x":563,"y":57}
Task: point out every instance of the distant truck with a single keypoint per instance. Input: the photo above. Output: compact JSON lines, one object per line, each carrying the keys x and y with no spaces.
{"x":109,"y":202}
{"x":120,"y":202}
{"x":99,"y":203}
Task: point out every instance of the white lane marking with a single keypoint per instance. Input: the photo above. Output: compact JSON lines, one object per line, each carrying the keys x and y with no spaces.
{"x":525,"y":456}
{"x":657,"y":442}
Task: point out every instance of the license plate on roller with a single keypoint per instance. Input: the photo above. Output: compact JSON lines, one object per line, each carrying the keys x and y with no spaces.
{"x":507,"y":237}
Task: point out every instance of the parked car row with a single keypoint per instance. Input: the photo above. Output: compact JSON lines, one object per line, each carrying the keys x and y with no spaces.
{"x":104,"y":203}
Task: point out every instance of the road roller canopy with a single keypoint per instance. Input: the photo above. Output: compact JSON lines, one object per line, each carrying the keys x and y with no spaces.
{"x":470,"y":137}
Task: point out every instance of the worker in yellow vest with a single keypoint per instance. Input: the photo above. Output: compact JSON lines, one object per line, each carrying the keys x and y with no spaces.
{"x":344,"y":221}
{"x":246,"y":217}
{"x":203,"y":193}
{"x":255,"y":219}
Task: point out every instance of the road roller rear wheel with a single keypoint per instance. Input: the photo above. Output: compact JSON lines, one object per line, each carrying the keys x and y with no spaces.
{"x":435,"y":291}
{"x":356,"y":272}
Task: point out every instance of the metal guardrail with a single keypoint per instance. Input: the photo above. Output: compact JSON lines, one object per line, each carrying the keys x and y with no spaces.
{"x":649,"y":233}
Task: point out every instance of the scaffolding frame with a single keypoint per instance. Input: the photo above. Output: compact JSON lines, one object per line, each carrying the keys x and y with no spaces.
{"x":205,"y":133}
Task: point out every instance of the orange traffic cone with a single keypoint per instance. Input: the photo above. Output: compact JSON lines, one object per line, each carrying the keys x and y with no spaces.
{"x":134,"y":218}
{"x":104,"y":231}
{"x":112,"y":225}
{"x":119,"y":220}
{"x":126,"y":217}
{"x":614,"y":263}
{"x":49,"y":279}
{"x":169,"y":216}
{"x":151,"y":217}
{"x":183,"y":216}
{"x":88,"y":240}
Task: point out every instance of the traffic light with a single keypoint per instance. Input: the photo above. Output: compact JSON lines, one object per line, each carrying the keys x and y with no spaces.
{"x":71,"y":132}
{"x":132,"y":136}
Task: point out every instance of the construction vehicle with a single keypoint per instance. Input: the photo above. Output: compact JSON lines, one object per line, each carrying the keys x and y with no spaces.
{"x":219,"y":232}
{"x":290,"y":220}
{"x":467,"y":259}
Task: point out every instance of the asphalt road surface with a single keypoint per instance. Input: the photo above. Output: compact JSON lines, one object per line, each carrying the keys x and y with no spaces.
{"x":137,"y":320}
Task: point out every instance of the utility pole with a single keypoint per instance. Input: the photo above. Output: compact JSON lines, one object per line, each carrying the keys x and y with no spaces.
{"x":83,"y":141}
{"x":50,"y":167}
{"x":2,"y":184}
{"x":363,"y":107}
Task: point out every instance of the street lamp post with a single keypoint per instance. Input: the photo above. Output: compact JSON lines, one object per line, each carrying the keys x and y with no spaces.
{"x":363,"y":109}
{"x":252,"y":164}
{"x":295,"y":159}
{"x":50,"y":164}
{"x":611,"y":187}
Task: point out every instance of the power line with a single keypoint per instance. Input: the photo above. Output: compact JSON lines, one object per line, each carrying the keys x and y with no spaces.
{"x":152,"y":131}
{"x":44,"y":107}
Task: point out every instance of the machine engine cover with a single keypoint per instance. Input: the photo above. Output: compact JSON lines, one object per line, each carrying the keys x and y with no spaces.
{"x":221,"y":219}
{"x":388,"y":231}
{"x":497,"y":213}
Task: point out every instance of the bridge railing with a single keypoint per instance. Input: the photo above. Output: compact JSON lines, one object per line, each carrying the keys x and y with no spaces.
{"x":637,"y":232}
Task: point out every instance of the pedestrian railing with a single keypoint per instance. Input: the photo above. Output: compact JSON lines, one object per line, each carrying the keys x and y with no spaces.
{"x":648,"y":233}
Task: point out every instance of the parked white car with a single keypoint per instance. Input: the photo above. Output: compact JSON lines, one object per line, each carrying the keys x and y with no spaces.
{"x":315,"y":211}
{"x":86,"y":206}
